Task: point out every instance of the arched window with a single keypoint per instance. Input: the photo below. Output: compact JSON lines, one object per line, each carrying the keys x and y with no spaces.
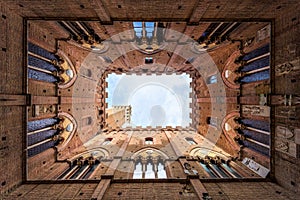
{"x":149,"y":163}
{"x":149,"y":169}
{"x":148,"y":27}
{"x":215,"y":163}
{"x":148,"y":60}
{"x":40,"y":135}
{"x":257,"y":65}
{"x":138,"y":170}
{"x":254,"y":134}
{"x":227,"y":73}
{"x":218,"y":168}
{"x":161,"y":172}
{"x":47,"y":133}
{"x":81,"y":168}
{"x":107,"y":141}
{"x":213,"y":121}
{"x":138,"y":28}
{"x":148,"y":140}
{"x":191,"y":141}
{"x":149,"y":173}
{"x":212,"y":79}
{"x":40,"y":66}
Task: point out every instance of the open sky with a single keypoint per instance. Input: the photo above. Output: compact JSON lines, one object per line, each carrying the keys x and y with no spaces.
{"x":156,"y":100}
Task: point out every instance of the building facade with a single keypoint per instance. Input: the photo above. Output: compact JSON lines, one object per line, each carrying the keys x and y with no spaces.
{"x":60,"y":140}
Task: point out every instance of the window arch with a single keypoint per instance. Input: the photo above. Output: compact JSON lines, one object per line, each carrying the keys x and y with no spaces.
{"x":218,"y":168}
{"x":83,"y":165}
{"x":191,"y":141}
{"x":148,"y":60}
{"x":149,"y":168}
{"x":256,"y":65}
{"x":138,"y":170}
{"x":40,"y":64}
{"x":216,"y":163}
{"x":149,"y":140}
{"x":150,"y":171}
{"x":161,"y":171}
{"x":48,"y":133}
{"x":81,"y":168}
{"x":139,"y":27}
{"x":149,"y":27}
{"x":149,"y":163}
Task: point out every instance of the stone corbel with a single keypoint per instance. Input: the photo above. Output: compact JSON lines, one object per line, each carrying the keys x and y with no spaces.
{"x":80,"y":161}
{"x":206,"y":160}
{"x":67,"y":72}
{"x":217,"y":160}
{"x":58,"y":138}
{"x":91,"y":160}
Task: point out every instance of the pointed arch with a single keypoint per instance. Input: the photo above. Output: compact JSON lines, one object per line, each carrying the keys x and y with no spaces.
{"x":69,"y":73}
{"x":96,"y":152}
{"x":227,"y":126}
{"x":69,"y":126}
{"x":149,"y":164}
{"x":203,"y":152}
{"x":149,"y":150}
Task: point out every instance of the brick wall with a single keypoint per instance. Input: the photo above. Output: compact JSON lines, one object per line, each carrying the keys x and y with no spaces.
{"x":287,"y":49}
{"x":148,"y":191}
{"x":151,"y":190}
{"x":12,"y":118}
{"x":53,"y":191}
{"x":244,"y":190}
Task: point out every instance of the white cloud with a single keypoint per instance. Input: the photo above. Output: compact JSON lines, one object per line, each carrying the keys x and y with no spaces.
{"x":166,"y":96}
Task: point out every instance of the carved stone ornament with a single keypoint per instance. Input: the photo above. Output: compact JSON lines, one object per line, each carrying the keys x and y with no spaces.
{"x":283,"y":69}
{"x":284,"y":132}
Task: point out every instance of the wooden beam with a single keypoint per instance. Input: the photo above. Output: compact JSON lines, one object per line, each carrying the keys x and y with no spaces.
{"x":14,"y":100}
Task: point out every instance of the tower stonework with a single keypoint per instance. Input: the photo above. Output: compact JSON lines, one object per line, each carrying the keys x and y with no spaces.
{"x":59,"y":139}
{"x":117,"y":116}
